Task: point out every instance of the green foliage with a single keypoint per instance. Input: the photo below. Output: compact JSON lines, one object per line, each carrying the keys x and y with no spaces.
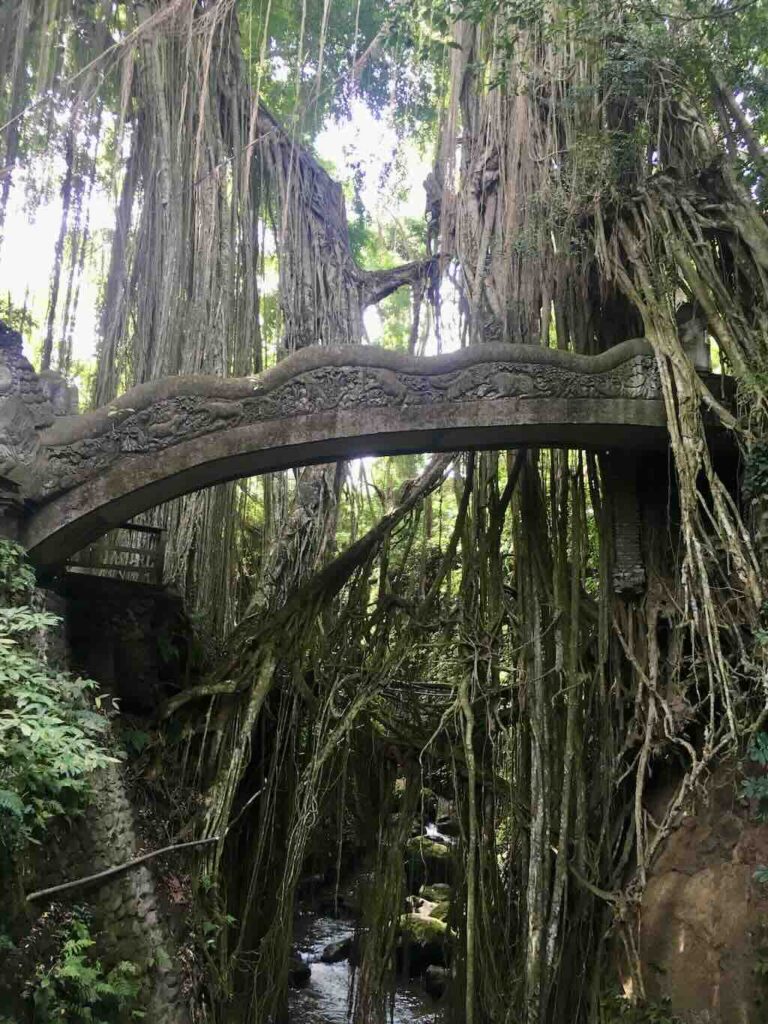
{"x":405,"y":71}
{"x":76,"y":988}
{"x":295,"y":31}
{"x":758,"y":749}
{"x":17,"y":319}
{"x":51,"y":737}
{"x":760,"y":942}
{"x":755,"y":787}
{"x":135,"y":741}
{"x":82,"y":372}
{"x":16,"y":577}
{"x":210,"y":928}
{"x":756,"y":470}
{"x":618,"y":1010}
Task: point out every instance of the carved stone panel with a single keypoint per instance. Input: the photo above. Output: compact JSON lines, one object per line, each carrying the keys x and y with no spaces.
{"x":156,"y":417}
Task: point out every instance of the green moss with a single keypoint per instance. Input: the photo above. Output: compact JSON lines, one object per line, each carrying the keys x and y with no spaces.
{"x":441,"y":912}
{"x":439,"y":892}
{"x":428,"y":849}
{"x":422,"y":930}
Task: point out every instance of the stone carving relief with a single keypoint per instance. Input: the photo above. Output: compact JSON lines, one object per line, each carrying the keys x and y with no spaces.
{"x":24,"y":409}
{"x":153,"y":426}
{"x":28,"y":402}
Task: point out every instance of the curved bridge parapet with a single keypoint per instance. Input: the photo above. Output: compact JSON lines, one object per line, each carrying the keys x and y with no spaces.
{"x":160,"y":440}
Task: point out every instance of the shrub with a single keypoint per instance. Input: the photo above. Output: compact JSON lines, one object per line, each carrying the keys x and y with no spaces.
{"x":755,"y":787}
{"x":75,"y":987}
{"x":52,"y":735}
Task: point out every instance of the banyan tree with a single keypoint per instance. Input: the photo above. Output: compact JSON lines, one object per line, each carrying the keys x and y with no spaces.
{"x":539,"y":636}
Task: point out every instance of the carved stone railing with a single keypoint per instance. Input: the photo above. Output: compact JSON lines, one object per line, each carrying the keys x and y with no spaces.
{"x":79,"y":476}
{"x":151,"y":418}
{"x":28,"y":402}
{"x":133,"y":551}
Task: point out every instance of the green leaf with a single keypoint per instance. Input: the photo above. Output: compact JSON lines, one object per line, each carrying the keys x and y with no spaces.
{"x":758,"y":749}
{"x":12,"y":803}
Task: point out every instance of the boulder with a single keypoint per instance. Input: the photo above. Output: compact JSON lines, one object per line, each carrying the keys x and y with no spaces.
{"x":436,"y":980}
{"x":448,"y":826}
{"x":422,"y":941}
{"x":345,"y":905}
{"x":299,"y":972}
{"x":428,"y":849}
{"x":428,"y":861}
{"x":440,"y":911}
{"x":428,"y":908}
{"x":439,"y":892}
{"x":335,"y":952}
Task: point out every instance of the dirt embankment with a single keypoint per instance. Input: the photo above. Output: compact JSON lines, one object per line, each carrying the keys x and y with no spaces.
{"x":704,"y":933}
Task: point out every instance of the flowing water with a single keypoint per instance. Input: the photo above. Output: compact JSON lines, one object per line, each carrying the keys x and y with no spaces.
{"x":431,"y":831}
{"x":324,"y":1000}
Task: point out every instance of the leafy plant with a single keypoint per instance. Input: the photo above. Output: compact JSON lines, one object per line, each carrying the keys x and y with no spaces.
{"x":755,"y":787}
{"x":52,"y":737}
{"x":756,"y":470}
{"x":135,"y":741}
{"x":758,"y":749}
{"x":76,"y":988}
{"x":14,"y":317}
{"x":16,"y":576}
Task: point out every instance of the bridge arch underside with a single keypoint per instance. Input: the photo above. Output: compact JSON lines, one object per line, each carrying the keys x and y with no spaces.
{"x":133,"y":483}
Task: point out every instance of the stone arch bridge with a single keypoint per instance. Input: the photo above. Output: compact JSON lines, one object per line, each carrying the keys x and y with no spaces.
{"x":71,"y":478}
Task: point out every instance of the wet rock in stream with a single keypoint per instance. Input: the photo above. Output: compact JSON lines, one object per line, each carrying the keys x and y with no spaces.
{"x":427,"y":861}
{"x":299,"y":972}
{"x":436,"y":980}
{"x":448,"y":826}
{"x":335,"y":952}
{"x":437,"y":893}
{"x":422,"y":943}
{"x":324,"y":1000}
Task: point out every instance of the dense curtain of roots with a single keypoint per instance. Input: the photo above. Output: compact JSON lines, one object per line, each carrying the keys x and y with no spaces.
{"x":562,"y":694}
{"x":160,"y":93}
{"x":592,"y":203}
{"x":493,"y":659}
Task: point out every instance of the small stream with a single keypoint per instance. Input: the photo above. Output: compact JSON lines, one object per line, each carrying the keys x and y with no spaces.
{"x":324,"y":999}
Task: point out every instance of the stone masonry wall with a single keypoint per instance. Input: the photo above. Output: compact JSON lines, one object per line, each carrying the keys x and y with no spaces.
{"x":128,"y":922}
{"x":127,"y":915}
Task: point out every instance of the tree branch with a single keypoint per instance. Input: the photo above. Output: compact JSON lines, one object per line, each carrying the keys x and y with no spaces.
{"x":306,"y":189}
{"x":120,"y":869}
{"x":327,"y":582}
{"x":732,"y":106}
{"x":378,"y":284}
